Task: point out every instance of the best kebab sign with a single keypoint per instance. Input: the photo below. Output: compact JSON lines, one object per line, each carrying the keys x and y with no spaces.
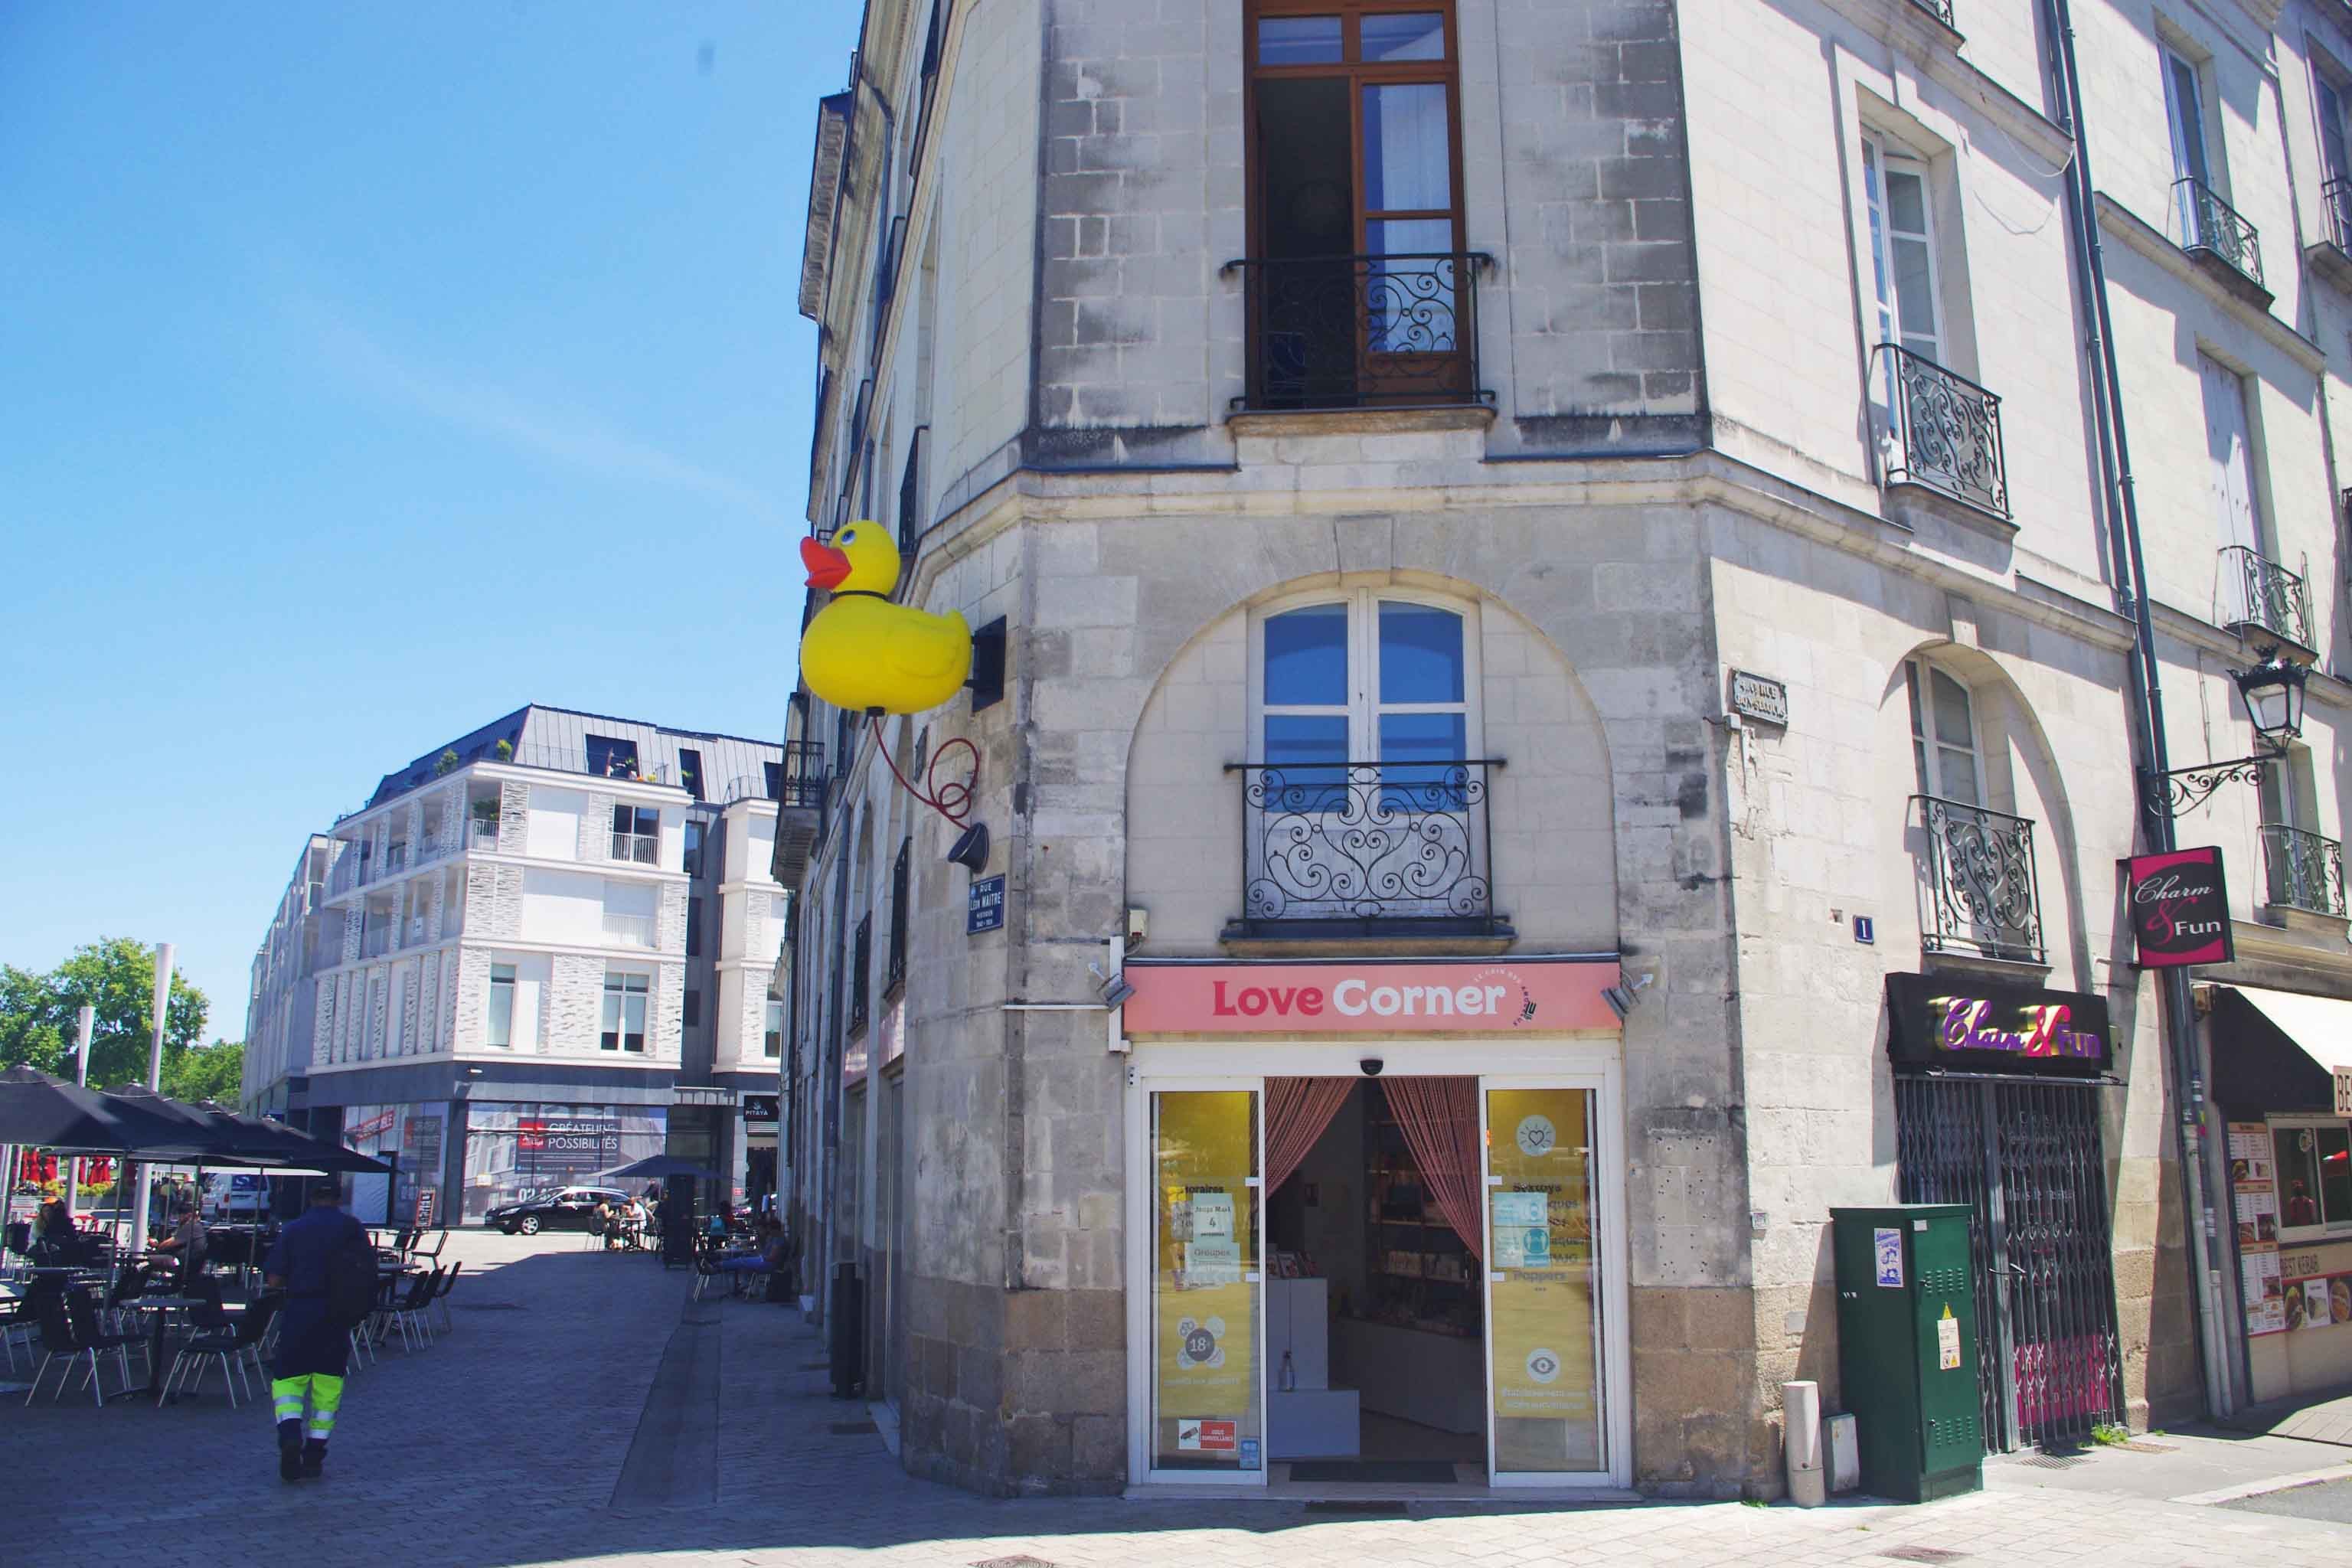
{"x":1477,"y":996}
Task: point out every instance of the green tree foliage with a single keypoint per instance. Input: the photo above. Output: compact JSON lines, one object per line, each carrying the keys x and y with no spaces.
{"x":116,"y":977}
{"x":215,"y":1072}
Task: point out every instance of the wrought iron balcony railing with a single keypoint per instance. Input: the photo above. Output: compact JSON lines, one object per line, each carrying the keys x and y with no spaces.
{"x":1363,"y":332}
{"x":2336,"y":196}
{"x":1980,"y":892}
{"x":1938,"y":429}
{"x":2259,"y":591}
{"x":1387,"y":848}
{"x":2211,"y":225}
{"x":2303,"y":870}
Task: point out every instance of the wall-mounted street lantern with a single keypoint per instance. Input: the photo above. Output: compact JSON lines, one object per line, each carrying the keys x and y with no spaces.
{"x":2274,"y":692}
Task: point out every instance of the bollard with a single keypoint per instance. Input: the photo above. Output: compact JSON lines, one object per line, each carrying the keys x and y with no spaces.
{"x":1801,"y":1403}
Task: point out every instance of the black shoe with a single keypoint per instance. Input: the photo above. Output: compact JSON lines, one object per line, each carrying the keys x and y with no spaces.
{"x":314,"y":1459}
{"x":290,"y":1462}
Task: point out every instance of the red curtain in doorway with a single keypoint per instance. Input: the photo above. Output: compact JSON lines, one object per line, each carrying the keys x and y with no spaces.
{"x":1439,"y":1118}
{"x":1296,"y":1111}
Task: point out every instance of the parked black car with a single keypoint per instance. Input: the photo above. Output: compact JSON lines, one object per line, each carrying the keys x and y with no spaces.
{"x":569,"y":1209}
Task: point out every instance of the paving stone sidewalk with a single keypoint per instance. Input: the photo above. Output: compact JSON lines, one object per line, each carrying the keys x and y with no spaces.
{"x":517,"y":1440}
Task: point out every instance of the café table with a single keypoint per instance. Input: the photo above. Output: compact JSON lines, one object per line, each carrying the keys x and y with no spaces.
{"x":162,"y":1307}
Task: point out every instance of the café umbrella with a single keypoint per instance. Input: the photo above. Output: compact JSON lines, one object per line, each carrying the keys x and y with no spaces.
{"x":661,"y":1168}
{"x":276,"y":1143}
{"x":45,"y":1112}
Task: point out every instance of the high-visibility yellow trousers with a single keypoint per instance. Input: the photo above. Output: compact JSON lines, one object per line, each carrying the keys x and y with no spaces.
{"x":324,"y":1394}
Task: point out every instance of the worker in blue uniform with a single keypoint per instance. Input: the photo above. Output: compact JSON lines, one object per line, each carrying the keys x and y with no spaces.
{"x":313,"y":1335}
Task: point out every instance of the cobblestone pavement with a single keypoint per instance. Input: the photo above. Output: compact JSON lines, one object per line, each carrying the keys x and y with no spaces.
{"x":517,"y":1440}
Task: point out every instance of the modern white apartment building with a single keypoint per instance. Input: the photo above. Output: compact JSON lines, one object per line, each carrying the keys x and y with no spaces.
{"x":537,"y":953}
{"x":1692,"y":520}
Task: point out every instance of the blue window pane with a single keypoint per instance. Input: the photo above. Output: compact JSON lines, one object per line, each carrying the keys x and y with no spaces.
{"x":1412,"y":36}
{"x":1421,"y":657}
{"x":1306,"y":658}
{"x":1408,"y":149}
{"x":1419,"y":753}
{"x":1293,"y":740}
{"x":1420,"y":738}
{"x":1298,"y":40}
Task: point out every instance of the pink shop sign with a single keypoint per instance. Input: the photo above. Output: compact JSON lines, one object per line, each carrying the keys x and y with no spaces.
{"x":1466,"y":996}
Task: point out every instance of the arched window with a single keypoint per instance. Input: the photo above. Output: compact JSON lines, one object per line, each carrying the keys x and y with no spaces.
{"x":1367,"y":797}
{"x":1943,"y":749}
{"x":1372,"y":676}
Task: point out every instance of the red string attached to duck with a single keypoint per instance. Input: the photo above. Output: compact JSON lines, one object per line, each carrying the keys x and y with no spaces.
{"x":951,"y":800}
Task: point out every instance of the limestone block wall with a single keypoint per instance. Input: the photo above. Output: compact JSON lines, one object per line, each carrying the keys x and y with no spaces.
{"x":665,"y":1021}
{"x":575,"y":1001}
{"x":473,"y":990}
{"x":1821,"y":831}
{"x":986,"y":189}
{"x":1780,"y":103}
{"x":669,"y":918}
{"x":514,"y":816}
{"x":597,"y":828}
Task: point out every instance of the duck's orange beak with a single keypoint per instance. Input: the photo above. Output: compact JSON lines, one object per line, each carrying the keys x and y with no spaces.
{"x":826,"y":566}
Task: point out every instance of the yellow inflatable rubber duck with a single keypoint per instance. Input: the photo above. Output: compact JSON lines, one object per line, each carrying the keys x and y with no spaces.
{"x":864,"y":653}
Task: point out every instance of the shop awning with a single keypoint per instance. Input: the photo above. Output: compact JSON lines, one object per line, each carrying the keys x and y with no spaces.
{"x":2282,"y":1050}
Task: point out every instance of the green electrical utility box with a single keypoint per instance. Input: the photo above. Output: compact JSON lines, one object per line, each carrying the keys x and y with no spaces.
{"x":1907,"y":1348}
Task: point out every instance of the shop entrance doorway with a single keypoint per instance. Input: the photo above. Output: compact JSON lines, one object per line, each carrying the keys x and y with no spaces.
{"x":1375,"y":1293}
{"x":1399,"y":1280}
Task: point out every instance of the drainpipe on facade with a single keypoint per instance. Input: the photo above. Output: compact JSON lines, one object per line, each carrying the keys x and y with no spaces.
{"x":2177,"y":1012}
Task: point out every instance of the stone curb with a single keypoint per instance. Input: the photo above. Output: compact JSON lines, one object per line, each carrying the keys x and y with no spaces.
{"x":2337,"y":1472}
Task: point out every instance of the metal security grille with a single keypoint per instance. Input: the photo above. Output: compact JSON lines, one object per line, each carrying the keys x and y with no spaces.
{"x":2026,"y":1156}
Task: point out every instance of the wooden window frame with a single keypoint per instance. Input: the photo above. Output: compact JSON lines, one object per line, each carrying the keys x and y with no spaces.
{"x":1358,"y":74}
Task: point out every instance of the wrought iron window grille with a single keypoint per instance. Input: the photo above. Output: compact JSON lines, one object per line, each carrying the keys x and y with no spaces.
{"x":1361,"y":331}
{"x":912,"y":522}
{"x":861,"y":965}
{"x":1386,"y":847}
{"x":2212,"y":226}
{"x":894,"y":972}
{"x":2303,"y":871}
{"x":1983,"y":893}
{"x":2266,"y":595}
{"x":1942,"y":431}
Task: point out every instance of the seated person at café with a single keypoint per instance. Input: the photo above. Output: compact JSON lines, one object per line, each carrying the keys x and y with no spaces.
{"x":606,"y":1223}
{"x":186,"y":1242}
{"x":774,"y":1253}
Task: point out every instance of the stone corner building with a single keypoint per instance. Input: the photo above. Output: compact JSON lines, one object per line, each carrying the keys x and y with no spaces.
{"x":1395,"y":435}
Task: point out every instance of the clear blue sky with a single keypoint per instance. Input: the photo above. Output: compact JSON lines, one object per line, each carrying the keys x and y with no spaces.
{"x":366,"y":372}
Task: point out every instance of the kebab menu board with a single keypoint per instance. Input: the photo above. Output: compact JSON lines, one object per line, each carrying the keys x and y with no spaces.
{"x":2254,"y":1189}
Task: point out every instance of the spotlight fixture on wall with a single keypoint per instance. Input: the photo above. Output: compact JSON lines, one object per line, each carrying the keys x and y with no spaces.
{"x":971,"y":849}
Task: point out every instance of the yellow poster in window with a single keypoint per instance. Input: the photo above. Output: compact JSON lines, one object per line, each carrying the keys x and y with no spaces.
{"x":1543,"y":1289}
{"x":1204,"y":1280}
